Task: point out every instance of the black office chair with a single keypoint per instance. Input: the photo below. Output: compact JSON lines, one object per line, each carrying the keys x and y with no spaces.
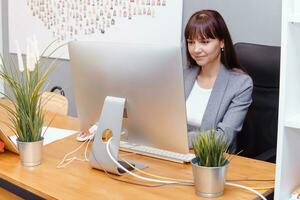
{"x":258,"y":137}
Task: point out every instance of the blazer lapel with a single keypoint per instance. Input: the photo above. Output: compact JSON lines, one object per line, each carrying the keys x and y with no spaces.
{"x":190,"y":75}
{"x":215,"y":99}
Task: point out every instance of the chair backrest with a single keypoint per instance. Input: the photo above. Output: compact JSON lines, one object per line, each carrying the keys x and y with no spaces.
{"x":55,"y":103}
{"x":259,"y":132}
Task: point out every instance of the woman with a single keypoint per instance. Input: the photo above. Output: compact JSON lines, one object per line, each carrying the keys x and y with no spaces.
{"x":217,"y":90}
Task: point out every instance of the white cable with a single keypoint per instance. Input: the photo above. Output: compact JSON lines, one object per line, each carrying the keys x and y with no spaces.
{"x":133,"y":174}
{"x":85,"y":151}
{"x":170,"y":182}
{"x":69,"y":160}
{"x":66,"y":161}
{"x":246,"y":188}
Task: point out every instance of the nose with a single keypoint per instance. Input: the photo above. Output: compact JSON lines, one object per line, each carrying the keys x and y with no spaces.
{"x":198,"y":47}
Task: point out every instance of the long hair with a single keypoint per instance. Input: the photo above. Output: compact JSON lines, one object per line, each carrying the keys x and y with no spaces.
{"x":206,"y":24}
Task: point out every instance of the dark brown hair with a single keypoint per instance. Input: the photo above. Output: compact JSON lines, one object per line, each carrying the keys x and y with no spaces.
{"x":210,"y":24}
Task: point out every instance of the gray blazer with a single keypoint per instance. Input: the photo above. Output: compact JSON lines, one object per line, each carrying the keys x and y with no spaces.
{"x":228,"y":103}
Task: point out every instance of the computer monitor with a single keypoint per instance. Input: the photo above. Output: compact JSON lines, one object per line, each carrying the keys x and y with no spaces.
{"x":149,"y":77}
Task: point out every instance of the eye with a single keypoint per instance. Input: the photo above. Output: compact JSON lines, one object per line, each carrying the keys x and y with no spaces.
{"x":205,"y":41}
{"x":190,"y":42}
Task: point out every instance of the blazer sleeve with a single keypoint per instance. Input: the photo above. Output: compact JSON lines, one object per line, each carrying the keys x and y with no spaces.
{"x":234,"y":117}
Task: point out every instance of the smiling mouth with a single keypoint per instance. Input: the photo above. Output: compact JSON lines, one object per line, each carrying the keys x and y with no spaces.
{"x":199,"y":57}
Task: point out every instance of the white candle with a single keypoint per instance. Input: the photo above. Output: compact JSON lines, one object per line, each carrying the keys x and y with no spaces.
{"x":27,"y":53}
{"x":30,"y":55}
{"x":19,"y":56}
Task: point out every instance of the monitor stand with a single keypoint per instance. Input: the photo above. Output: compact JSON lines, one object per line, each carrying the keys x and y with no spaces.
{"x":110,"y":125}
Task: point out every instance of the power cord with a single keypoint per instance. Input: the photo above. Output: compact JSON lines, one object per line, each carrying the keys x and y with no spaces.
{"x":155,"y":176}
{"x":66,"y":161}
{"x":172,"y":182}
{"x":246,"y":188}
{"x":186,"y":180}
{"x":136,"y":175}
{"x":129,"y":182}
{"x":250,"y":180}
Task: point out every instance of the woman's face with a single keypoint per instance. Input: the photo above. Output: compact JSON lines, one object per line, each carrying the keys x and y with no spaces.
{"x":205,"y":51}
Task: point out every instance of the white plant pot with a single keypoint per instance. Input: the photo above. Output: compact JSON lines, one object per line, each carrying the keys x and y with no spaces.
{"x":209,"y":181}
{"x":30,"y":152}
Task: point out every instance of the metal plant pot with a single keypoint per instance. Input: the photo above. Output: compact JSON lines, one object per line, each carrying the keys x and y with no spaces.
{"x":30,"y":152}
{"x":209,"y":181}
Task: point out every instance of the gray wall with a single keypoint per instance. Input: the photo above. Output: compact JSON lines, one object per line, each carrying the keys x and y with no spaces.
{"x":1,"y":49}
{"x":4,"y":25}
{"x":254,"y":21}
{"x":1,"y":41}
{"x":1,"y":45}
{"x":61,"y":76}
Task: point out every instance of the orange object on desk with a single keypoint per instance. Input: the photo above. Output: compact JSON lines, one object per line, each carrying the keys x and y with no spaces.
{"x":1,"y":146}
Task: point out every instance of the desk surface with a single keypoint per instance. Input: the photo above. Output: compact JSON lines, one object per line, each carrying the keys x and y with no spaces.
{"x":79,"y":181}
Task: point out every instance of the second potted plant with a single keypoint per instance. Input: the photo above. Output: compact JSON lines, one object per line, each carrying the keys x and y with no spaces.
{"x":26,"y":115}
{"x":210,"y":164}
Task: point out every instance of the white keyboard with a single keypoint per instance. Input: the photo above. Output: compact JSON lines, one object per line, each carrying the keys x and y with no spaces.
{"x":157,"y":153}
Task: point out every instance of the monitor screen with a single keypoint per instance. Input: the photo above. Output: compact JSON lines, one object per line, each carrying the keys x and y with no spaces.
{"x":149,"y":77}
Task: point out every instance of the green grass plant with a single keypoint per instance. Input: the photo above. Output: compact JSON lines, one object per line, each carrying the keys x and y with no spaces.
{"x":211,"y":149}
{"x":26,"y":115}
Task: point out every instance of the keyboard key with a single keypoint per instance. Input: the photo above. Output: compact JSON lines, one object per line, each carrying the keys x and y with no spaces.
{"x":154,"y":152}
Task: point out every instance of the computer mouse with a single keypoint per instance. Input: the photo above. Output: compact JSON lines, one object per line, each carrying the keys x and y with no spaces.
{"x":82,"y":136}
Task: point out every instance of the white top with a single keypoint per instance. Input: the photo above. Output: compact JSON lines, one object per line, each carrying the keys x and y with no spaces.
{"x":196,"y":104}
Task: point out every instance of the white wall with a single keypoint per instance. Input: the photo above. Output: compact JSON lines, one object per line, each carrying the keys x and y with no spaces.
{"x":140,"y":29}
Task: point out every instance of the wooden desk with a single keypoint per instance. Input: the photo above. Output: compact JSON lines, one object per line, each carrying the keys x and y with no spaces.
{"x":79,"y":181}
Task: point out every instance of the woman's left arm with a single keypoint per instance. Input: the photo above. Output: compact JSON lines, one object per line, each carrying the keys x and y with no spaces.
{"x":234,"y":117}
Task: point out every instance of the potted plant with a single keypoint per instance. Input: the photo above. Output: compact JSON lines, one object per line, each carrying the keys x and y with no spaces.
{"x":210,"y":164}
{"x":26,"y":116}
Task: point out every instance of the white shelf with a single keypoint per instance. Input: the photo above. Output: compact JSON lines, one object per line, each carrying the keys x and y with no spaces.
{"x":293,"y":122}
{"x":294,"y":18}
{"x":288,"y":143}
